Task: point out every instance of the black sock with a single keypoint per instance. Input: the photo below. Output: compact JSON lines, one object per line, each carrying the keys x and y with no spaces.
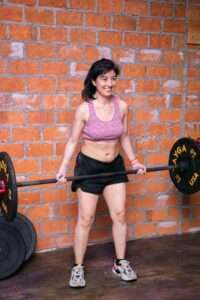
{"x":118,"y":261}
{"x":75,"y":265}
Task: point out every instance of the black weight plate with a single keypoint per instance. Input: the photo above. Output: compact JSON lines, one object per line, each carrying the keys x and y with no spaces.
{"x":27,"y":231}
{"x":12,"y":250}
{"x":187,"y":151}
{"x":8,"y":199}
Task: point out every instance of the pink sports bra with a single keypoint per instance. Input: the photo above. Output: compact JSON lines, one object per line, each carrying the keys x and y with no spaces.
{"x":98,"y":130}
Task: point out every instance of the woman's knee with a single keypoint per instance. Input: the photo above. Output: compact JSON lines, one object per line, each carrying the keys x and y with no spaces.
{"x":119,"y":217}
{"x":85,"y":220}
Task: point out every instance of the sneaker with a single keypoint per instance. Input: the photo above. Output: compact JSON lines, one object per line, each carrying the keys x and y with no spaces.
{"x":124,"y":270}
{"x":77,"y":279}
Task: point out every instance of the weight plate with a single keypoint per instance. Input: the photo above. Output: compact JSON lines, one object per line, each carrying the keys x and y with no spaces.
{"x":8,"y":199}
{"x":185,"y":151}
{"x":27,"y":231}
{"x":12,"y":250}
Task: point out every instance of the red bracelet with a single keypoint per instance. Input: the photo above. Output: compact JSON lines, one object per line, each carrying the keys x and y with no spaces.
{"x":134,"y":161}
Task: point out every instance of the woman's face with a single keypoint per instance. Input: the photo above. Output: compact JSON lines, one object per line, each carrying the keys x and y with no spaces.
{"x":105,"y":84}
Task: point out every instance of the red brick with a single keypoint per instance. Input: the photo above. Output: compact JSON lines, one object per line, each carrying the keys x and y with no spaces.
{"x":110,"y":38}
{"x":123,"y":23}
{"x":42,"y":117}
{"x":136,"y":7}
{"x":174,"y":26}
{"x":156,"y":158}
{"x":41,"y":85}
{"x":180,"y":11}
{"x":14,"y":150}
{"x":135,"y":40}
{"x":55,"y":101}
{"x":82,"y":36}
{"x":45,"y":243}
{"x":158,"y":71}
{"x":134,"y":70}
{"x":70,"y":85}
{"x":24,"y":33}
{"x":66,"y":117}
{"x":14,"y":84}
{"x":97,"y":20}
{"x":63,"y":241}
{"x":149,"y":25}
{"x":157,"y":129}
{"x":4,"y":134}
{"x":135,"y":216}
{"x":26,"y":166}
{"x":161,"y":9}
{"x":70,"y":53}
{"x":53,"y":3}
{"x":148,"y":86}
{"x":56,"y":195}
{"x":11,"y":14}
{"x":69,"y":18}
{"x":110,"y":6}
{"x":157,"y":215}
{"x":27,"y":197}
{"x":40,"y":150}
{"x":54,"y":226}
{"x":160,"y":41}
{"x":2,"y":31}
{"x":173,"y":115}
{"x":145,"y":230}
{"x":38,"y":212}
{"x":58,"y":133}
{"x":53,"y":34}
{"x":23,"y":67}
{"x":11,"y":117}
{"x":25,"y":2}
{"x":40,"y":50}
{"x":39,"y":16}
{"x":192,"y":115}
{"x":67,"y":210}
{"x":26,"y":134}
{"x":173,"y":57}
{"x":54,"y":68}
{"x":91,"y":54}
{"x":86,"y":5}
{"x":193,"y":86}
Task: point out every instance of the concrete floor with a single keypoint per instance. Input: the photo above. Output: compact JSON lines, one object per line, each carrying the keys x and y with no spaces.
{"x":168,"y":269}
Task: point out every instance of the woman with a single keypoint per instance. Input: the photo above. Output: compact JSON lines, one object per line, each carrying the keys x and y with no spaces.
{"x":102,"y":121}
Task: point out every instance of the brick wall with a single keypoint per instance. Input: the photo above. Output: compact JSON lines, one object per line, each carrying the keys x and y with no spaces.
{"x":45,"y":50}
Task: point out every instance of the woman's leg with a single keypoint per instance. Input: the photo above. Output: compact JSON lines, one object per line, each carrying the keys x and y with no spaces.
{"x":115,"y":196}
{"x":87,"y":203}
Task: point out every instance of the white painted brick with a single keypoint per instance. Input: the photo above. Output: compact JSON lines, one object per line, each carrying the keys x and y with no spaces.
{"x":167,"y":224}
{"x":129,"y":56}
{"x":105,"y":52}
{"x":171,"y":84}
{"x":17,"y":50}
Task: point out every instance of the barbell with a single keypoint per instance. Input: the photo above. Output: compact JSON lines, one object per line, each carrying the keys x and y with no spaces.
{"x":183,"y":166}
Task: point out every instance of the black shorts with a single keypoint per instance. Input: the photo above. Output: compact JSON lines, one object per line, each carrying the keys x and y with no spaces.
{"x":86,"y":165}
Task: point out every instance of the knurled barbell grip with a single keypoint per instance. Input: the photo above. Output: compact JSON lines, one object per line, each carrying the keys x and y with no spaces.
{"x":70,"y":178}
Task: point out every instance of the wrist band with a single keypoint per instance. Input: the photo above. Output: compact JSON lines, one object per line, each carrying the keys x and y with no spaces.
{"x":134,"y":161}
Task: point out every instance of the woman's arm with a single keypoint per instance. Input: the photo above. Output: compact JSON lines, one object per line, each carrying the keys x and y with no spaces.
{"x":126,"y":143}
{"x":77,"y":127}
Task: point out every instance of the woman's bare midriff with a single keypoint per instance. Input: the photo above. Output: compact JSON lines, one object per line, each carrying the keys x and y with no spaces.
{"x":104,"y":151}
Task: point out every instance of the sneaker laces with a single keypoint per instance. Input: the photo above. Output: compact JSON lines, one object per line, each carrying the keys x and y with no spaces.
{"x":77,"y":273}
{"x":126,"y":266}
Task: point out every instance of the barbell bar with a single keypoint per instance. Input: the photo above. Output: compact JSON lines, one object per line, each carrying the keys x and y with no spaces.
{"x":183,"y":167}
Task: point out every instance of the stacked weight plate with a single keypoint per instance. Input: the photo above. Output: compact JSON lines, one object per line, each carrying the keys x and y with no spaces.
{"x":17,"y":244}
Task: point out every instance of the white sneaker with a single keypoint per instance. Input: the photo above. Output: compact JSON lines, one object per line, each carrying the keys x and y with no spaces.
{"x":77,"y":279}
{"x":124,"y":270}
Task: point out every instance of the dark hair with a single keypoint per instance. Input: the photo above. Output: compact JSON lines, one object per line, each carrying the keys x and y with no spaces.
{"x":99,"y":67}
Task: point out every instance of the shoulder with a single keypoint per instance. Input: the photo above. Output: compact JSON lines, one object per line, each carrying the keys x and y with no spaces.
{"x":82,"y":111}
{"x":122,"y":105}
